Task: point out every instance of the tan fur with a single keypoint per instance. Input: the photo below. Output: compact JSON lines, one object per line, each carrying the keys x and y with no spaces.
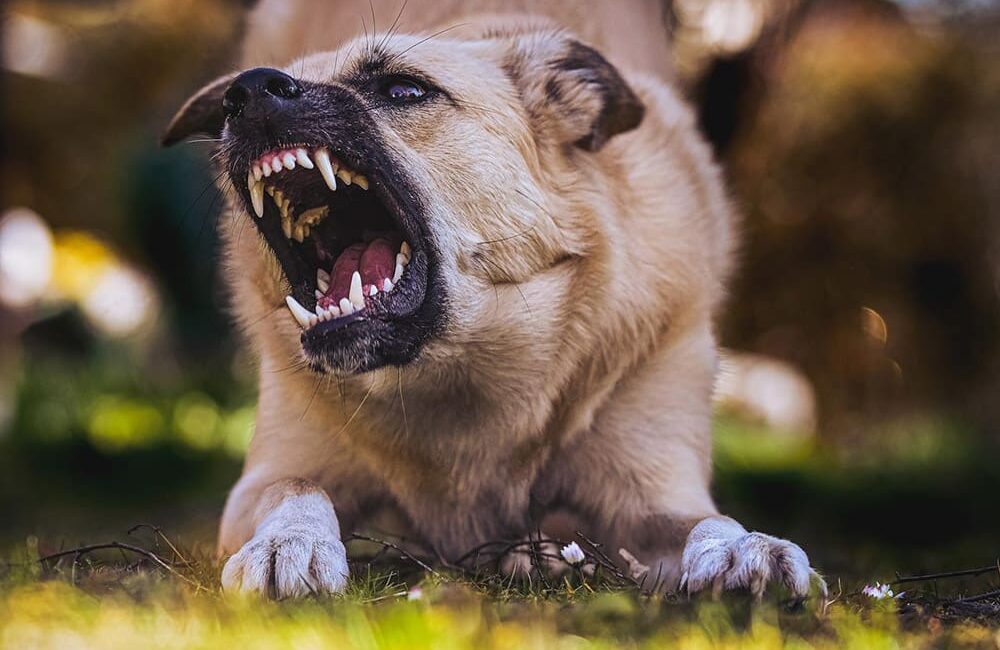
{"x":578,"y":363}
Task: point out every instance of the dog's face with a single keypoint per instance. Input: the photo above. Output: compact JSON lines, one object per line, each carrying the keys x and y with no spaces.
{"x":398,"y":179}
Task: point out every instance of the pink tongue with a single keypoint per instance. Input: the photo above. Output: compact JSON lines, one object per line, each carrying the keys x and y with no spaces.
{"x":375,"y":261}
{"x":378,"y":262}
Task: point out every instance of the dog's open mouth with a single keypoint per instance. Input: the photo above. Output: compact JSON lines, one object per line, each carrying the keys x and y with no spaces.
{"x":340,"y":235}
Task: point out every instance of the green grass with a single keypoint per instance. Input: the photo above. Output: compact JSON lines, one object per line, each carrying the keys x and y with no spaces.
{"x":113,"y":600}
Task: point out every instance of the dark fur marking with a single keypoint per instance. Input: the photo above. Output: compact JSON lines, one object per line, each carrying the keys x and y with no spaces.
{"x":622,"y":110}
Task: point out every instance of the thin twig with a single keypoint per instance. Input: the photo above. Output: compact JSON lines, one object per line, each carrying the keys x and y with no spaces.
{"x":947,"y":574}
{"x":971,"y":599}
{"x":149,"y":555}
{"x":423,"y":565}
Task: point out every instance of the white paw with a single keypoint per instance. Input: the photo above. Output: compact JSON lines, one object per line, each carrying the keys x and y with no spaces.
{"x":722,"y":555}
{"x":295,"y":552}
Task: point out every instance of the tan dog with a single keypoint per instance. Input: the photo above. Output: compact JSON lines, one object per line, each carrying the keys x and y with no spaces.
{"x":500,"y":256}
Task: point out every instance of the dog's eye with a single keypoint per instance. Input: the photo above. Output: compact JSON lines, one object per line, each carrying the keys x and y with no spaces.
{"x":400,"y":90}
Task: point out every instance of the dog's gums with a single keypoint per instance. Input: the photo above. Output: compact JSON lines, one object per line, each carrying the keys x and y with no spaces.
{"x":358,"y":252}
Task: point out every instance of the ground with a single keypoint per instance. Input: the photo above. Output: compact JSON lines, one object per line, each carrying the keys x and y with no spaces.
{"x":919,"y":499}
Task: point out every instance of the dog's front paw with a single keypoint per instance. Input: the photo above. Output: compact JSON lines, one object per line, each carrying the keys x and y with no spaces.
{"x":295,"y":551}
{"x":722,"y":555}
{"x":287,"y":564}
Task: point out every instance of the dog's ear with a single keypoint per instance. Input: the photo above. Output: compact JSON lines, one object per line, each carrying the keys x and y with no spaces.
{"x":570,"y":91}
{"x":201,"y":114}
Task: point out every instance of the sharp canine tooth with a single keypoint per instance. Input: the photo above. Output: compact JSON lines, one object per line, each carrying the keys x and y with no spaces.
{"x":361,"y":182}
{"x":404,"y":248}
{"x":322,"y":280}
{"x":256,"y":195}
{"x":344,"y":175}
{"x":303,"y":158}
{"x":346,"y":308}
{"x":387,"y":285}
{"x":397,"y":273}
{"x":276,"y":164}
{"x":401,"y":259}
{"x":289,"y":160}
{"x":372,"y":290}
{"x":301,"y":314}
{"x":322,"y":157}
{"x":255,"y":170}
{"x":356,"y":296}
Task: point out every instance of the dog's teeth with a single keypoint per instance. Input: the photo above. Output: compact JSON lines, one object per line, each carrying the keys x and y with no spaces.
{"x":322,"y":280}
{"x":314,"y":215}
{"x":345,"y":176}
{"x":265,"y":169}
{"x":387,"y":285}
{"x":356,"y":295}
{"x":319,"y":294}
{"x":301,"y":314}
{"x":299,"y":234}
{"x":256,"y":195}
{"x":276,"y":164}
{"x":334,"y":311}
{"x":397,"y":273}
{"x":402,"y":260}
{"x":302,"y":157}
{"x":361,"y":181}
{"x":322,"y":157}
{"x":286,"y":226}
{"x":288,"y":160}
{"x":322,"y":313}
{"x":346,"y":308}
{"x":372,"y":290}
{"x":257,"y":173}
{"x":270,"y":190}
{"x":404,"y":248}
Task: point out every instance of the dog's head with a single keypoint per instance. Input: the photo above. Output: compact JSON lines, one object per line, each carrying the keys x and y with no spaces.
{"x":397,"y":180}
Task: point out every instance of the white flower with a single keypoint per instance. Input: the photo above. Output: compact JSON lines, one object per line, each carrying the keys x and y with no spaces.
{"x":415,"y":593}
{"x":573,"y":554}
{"x":879,"y":591}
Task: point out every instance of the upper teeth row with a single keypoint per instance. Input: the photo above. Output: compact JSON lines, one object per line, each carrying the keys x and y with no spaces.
{"x":271,"y":163}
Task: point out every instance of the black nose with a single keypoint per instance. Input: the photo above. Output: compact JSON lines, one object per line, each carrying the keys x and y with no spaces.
{"x":260,"y":91}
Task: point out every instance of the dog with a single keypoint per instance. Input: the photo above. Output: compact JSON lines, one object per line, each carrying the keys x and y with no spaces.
{"x":479,"y":259}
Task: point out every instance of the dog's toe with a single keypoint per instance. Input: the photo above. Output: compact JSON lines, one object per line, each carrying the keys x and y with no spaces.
{"x":287,"y":565}
{"x":750,"y":561}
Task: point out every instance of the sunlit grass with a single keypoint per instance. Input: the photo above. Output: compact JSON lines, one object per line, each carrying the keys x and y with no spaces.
{"x":115,"y":603}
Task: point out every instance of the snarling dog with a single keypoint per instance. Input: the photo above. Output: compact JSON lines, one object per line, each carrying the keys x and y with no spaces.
{"x":480,"y":270}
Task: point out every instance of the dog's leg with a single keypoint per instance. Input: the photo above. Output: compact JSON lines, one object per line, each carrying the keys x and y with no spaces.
{"x":644,"y":469}
{"x":295,"y":549}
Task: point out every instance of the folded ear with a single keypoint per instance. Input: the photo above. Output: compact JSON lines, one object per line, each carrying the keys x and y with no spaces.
{"x":201,"y":114}
{"x":570,"y":91}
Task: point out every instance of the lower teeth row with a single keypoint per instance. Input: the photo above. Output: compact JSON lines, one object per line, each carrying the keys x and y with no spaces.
{"x":353,"y":302}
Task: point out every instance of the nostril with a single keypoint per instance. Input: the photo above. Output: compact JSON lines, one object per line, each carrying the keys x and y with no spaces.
{"x":258,"y":92}
{"x":235,"y":99}
{"x":281,"y":85}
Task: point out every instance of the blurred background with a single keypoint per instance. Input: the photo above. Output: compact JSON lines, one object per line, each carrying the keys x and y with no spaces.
{"x":859,"y":403}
